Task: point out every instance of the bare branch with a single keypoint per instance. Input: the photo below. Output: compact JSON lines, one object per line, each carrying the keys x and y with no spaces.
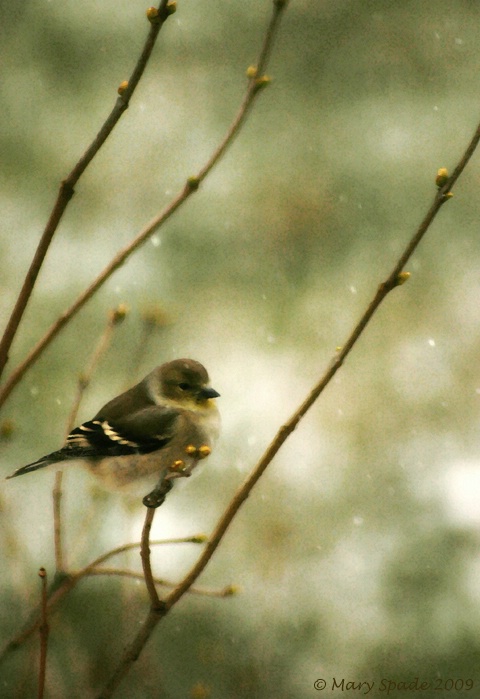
{"x":44,"y":630}
{"x":66,"y":190}
{"x":228,"y":591}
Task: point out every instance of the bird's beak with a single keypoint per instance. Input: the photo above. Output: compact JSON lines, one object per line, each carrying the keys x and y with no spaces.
{"x":209,"y":393}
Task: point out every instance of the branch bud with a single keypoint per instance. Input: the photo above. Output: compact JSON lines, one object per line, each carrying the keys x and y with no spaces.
{"x":117,"y":315}
{"x":122,"y":87}
{"x":402,"y":277}
{"x":262,"y":82}
{"x":152,"y":15}
{"x":442,"y":177}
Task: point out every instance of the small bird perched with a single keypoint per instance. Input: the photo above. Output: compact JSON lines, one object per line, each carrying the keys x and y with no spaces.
{"x":151,"y":434}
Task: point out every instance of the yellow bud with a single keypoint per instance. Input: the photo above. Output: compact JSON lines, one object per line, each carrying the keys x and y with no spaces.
{"x":122,"y":87}
{"x":231,"y":590}
{"x":199,"y":539}
{"x":448,"y":195}
{"x":178,"y":465}
{"x":190,"y":449}
{"x":252,"y":72}
{"x":402,"y":277}
{"x":171,"y":7}
{"x":204,"y":451}
{"x":262,"y":82}
{"x":442,"y":177}
{"x":119,"y":313}
{"x":152,"y":15}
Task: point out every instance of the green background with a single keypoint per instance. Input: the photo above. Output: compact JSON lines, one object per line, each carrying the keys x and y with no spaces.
{"x":357,"y":554}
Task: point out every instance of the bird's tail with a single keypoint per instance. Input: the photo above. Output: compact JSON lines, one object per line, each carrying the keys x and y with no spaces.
{"x":40,"y":463}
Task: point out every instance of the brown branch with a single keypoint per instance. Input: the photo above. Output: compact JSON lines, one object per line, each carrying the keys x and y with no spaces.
{"x":44,"y":630}
{"x":66,"y":190}
{"x":228,"y":591}
{"x":115,"y":317}
{"x":255,"y":83}
{"x":57,"y":494}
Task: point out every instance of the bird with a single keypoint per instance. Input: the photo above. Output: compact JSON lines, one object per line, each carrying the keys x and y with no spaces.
{"x":148,"y":436}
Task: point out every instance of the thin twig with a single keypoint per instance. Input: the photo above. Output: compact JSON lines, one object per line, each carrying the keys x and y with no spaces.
{"x":228,"y":591}
{"x":44,"y":629}
{"x":57,"y":494}
{"x":115,"y":317}
{"x":67,"y":185}
{"x":394,"y":279}
{"x":255,"y":83}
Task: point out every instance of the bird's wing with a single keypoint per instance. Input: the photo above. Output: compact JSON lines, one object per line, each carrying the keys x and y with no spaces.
{"x":144,"y":431}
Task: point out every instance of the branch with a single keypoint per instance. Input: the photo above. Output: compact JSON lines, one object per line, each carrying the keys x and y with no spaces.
{"x":256,"y":81}
{"x":114,"y":318}
{"x":227,"y":591}
{"x":44,"y":630}
{"x":67,"y":185}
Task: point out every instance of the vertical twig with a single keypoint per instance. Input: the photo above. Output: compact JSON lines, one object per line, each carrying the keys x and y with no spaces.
{"x":57,"y":523}
{"x":115,"y":317}
{"x":44,"y":629}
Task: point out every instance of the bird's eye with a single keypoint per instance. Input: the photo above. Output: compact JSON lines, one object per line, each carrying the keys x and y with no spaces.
{"x":184,"y":386}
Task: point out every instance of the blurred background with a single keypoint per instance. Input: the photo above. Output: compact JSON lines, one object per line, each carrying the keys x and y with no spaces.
{"x":357,"y":555}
